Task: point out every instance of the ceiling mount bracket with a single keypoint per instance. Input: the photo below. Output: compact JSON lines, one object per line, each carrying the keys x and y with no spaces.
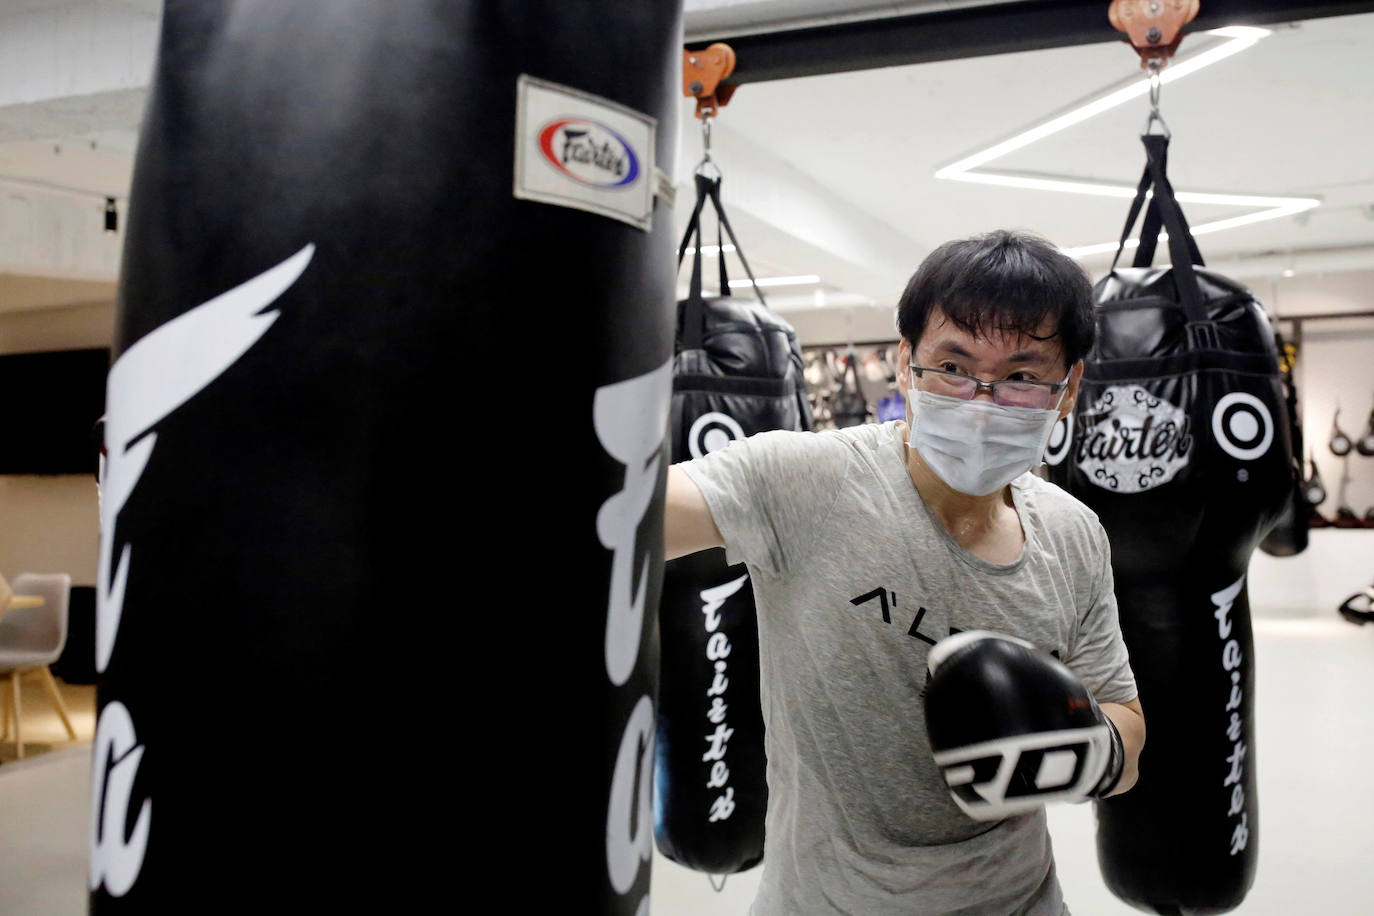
{"x":702,"y":73}
{"x":1153,"y":27}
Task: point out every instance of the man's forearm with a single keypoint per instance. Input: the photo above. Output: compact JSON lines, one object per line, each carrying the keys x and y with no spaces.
{"x":1130,"y":722}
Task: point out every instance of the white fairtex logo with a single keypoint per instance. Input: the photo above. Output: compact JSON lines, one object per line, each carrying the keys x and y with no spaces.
{"x":717,"y":651}
{"x":1131,"y":441}
{"x":1231,"y":660}
{"x":630,"y":419}
{"x":154,"y":377}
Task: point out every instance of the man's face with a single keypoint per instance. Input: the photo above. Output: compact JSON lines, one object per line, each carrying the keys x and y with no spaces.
{"x":945,"y":345}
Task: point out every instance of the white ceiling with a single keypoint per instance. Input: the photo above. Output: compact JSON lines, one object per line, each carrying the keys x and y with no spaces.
{"x":833,"y":175}
{"x":1291,"y":116}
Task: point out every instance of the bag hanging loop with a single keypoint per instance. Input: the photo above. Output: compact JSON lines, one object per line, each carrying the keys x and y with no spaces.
{"x":1164,"y":213}
{"x":693,"y":329}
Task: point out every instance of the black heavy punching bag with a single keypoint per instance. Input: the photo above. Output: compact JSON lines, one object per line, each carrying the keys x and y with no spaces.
{"x":364,"y":639}
{"x":1289,"y":535}
{"x":737,"y":372}
{"x":1180,"y":443}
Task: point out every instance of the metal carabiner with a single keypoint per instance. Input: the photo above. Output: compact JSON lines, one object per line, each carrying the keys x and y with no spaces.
{"x":706,"y":147}
{"x":1155,"y":116}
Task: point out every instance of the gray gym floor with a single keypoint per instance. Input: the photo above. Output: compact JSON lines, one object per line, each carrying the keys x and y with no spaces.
{"x":1315,"y":738}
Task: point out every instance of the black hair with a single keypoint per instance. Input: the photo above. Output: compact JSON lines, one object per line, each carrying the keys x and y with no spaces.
{"x":1005,"y":282}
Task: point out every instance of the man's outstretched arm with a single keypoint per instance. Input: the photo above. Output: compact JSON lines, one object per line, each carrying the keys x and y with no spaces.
{"x":687,"y":522}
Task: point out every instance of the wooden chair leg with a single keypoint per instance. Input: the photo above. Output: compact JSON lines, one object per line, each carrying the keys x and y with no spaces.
{"x":5,"y":713}
{"x":51,"y":684}
{"x":18,"y":716}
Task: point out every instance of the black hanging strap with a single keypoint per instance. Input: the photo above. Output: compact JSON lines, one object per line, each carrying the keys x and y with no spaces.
{"x":739,"y":252}
{"x":1131,"y":217}
{"x":709,"y":189}
{"x":1149,"y":233}
{"x":693,"y":330}
{"x":693,"y":317}
{"x":720,"y":262}
{"x":692,"y":224}
{"x":1165,"y":213}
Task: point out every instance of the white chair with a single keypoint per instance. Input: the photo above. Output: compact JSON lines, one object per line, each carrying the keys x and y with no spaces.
{"x":31,"y":639}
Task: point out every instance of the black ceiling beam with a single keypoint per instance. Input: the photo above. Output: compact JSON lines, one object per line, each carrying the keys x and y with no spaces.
{"x":1000,"y":28}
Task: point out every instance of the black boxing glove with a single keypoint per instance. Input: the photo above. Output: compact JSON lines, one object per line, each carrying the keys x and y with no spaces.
{"x":1012,"y":728}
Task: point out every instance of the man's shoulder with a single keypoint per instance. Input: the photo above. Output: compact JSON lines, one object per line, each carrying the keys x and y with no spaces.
{"x":779,"y":456}
{"x":864,"y":439}
{"x":837,"y":444}
{"x":1060,"y":510}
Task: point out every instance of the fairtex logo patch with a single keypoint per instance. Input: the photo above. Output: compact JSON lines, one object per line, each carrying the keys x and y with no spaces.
{"x":589,"y":153}
{"x":1131,"y":441}
{"x":580,"y":151}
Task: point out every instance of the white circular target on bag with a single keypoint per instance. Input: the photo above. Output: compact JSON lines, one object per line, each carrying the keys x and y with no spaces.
{"x":1242,"y":426}
{"x":712,"y":432}
{"x":1061,"y":438}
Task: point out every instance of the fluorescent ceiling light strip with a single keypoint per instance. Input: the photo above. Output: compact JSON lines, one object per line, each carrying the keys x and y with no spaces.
{"x":778,"y":281}
{"x":1067,"y":186}
{"x":1241,"y":200}
{"x":1220,"y":225}
{"x":1114,"y":99}
{"x":1045,"y":184}
{"x":1240,"y":39}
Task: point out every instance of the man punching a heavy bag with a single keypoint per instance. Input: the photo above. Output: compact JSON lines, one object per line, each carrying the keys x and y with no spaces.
{"x":867,"y":546}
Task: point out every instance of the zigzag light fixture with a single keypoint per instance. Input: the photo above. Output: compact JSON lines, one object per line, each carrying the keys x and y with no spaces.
{"x":1239,"y":38}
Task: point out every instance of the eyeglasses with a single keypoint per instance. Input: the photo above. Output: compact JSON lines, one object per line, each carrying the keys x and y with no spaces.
{"x":1007,"y":392}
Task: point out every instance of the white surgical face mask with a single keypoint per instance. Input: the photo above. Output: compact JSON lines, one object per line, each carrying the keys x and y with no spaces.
{"x":977,"y":447}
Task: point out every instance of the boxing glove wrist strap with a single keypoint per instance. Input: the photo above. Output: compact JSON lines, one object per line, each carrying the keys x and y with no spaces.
{"x":1116,"y":761}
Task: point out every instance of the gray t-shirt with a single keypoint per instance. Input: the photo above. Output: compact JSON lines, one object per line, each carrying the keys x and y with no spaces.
{"x":855,"y":580}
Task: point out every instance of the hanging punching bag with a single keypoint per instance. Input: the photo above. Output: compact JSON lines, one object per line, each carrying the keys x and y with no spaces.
{"x":1338,"y":442}
{"x":737,"y":372}
{"x":848,"y":403}
{"x":1365,"y":444}
{"x":1180,"y":443}
{"x":1289,"y":536}
{"x":331,"y":656}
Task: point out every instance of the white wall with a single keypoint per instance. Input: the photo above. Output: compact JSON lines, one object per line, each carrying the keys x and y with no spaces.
{"x":50,"y":525}
{"x":1312,"y":585}
{"x":1335,"y":367}
{"x":839,"y":326}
